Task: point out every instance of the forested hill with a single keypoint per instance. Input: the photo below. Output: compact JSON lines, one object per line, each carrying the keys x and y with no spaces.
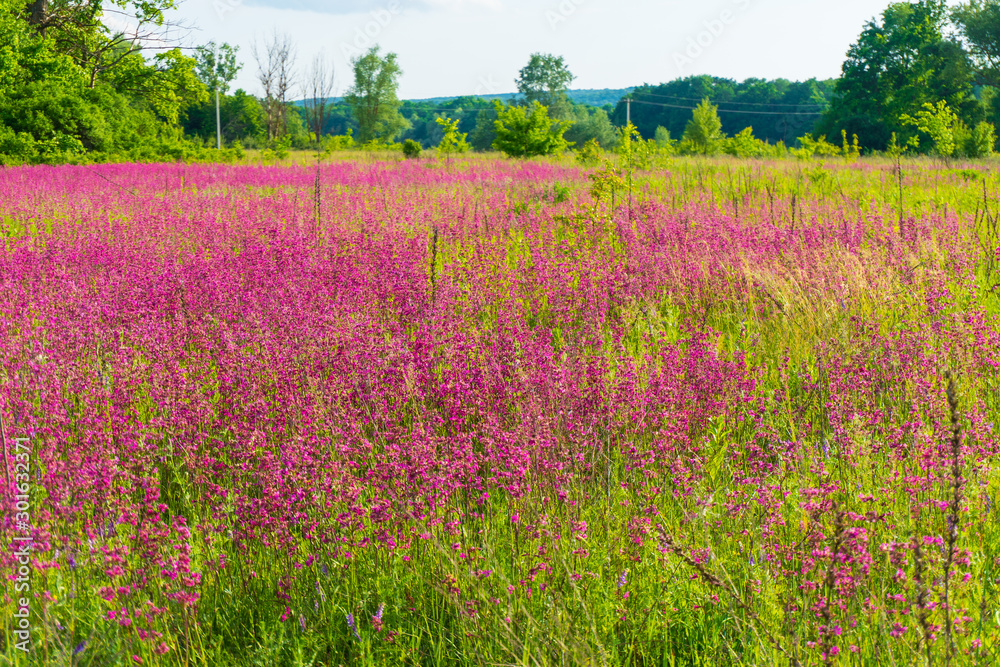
{"x":596,"y":97}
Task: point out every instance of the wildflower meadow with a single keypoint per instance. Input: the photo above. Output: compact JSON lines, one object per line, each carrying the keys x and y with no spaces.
{"x":488,"y":412}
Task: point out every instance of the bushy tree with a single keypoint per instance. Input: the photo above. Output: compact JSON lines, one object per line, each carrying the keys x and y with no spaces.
{"x":940,"y":123}
{"x":485,"y":133}
{"x":592,"y":125}
{"x":745,"y":145}
{"x":52,"y":108}
{"x":373,"y":96}
{"x":703,"y":133}
{"x":453,"y":141}
{"x":980,"y":141}
{"x":528,"y":131}
{"x":978,"y":22}
{"x":545,"y":80}
{"x":899,"y":63}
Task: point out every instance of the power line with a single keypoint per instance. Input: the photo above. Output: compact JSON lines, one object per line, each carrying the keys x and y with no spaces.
{"x":750,"y":113}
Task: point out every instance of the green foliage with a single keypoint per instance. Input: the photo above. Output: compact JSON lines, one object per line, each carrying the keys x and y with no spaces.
{"x":589,"y":153}
{"x":411,"y":149}
{"x":634,"y":152}
{"x":819,"y":147}
{"x":528,"y":131}
{"x":545,"y":80}
{"x":980,"y":141}
{"x":453,"y":140}
{"x":484,"y":134}
{"x":850,"y":151}
{"x":663,"y":140}
{"x":898,"y":65}
{"x":373,"y":96}
{"x":745,"y":145}
{"x":217,"y":66}
{"x":978,"y":22}
{"x":591,"y":125}
{"x":703,"y":133}
{"x":342,"y":142}
{"x":797,"y":101}
{"x":896,"y":150}
{"x":940,"y":123}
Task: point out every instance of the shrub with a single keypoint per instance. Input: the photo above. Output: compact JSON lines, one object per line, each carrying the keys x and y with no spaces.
{"x":528,"y":131}
{"x":411,"y":149}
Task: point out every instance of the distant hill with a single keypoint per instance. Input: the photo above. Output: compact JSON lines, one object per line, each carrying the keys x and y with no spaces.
{"x":593,"y":97}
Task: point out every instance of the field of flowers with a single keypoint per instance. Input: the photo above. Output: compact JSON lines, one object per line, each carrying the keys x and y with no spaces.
{"x":491,"y":412}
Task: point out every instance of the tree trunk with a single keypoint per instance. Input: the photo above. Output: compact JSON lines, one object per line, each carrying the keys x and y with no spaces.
{"x":39,"y":14}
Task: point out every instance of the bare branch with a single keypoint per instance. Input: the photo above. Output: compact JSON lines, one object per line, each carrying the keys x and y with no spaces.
{"x":317,"y":90}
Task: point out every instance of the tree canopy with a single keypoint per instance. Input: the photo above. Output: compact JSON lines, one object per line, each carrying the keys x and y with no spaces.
{"x":373,"y":96}
{"x":900,"y":63}
{"x":545,"y":80}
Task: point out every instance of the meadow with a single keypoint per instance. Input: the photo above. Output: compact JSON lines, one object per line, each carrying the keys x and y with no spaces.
{"x":488,"y":412}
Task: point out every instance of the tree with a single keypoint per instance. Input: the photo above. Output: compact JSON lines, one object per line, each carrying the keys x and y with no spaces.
{"x":940,"y":123}
{"x":485,"y":132}
{"x":778,"y":110}
{"x":897,"y":65}
{"x":594,"y":125}
{"x":217,"y":67}
{"x":80,"y":30}
{"x":275,"y":71}
{"x":528,"y":131}
{"x":453,"y":141}
{"x":978,"y":22}
{"x":703,"y":133}
{"x":545,"y":80}
{"x":373,"y":96}
{"x":318,"y":89}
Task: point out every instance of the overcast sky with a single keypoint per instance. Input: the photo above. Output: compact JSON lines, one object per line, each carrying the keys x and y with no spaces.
{"x":464,"y":47}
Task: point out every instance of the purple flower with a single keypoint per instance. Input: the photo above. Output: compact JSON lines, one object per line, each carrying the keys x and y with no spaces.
{"x":353,"y":627}
{"x":79,"y":648}
{"x":622,"y":578}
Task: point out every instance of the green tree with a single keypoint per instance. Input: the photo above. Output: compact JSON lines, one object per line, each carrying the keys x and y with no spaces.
{"x":940,"y":123}
{"x":703,"y":133}
{"x":745,"y":145}
{"x":592,"y":125}
{"x":545,"y":79}
{"x":898,"y":64}
{"x":528,"y":131}
{"x":373,"y":96}
{"x":485,"y":131}
{"x":453,"y":140}
{"x":981,"y":141}
{"x":978,"y":22}
{"x":217,"y":66}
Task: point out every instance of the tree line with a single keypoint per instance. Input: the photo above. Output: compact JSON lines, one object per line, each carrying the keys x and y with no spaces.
{"x":921,"y":76}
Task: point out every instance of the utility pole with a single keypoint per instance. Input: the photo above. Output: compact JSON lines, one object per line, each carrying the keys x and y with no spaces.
{"x":218,"y":119}
{"x":628,"y":110}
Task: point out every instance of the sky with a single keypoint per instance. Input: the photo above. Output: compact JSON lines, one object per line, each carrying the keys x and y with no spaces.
{"x":466,"y":47}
